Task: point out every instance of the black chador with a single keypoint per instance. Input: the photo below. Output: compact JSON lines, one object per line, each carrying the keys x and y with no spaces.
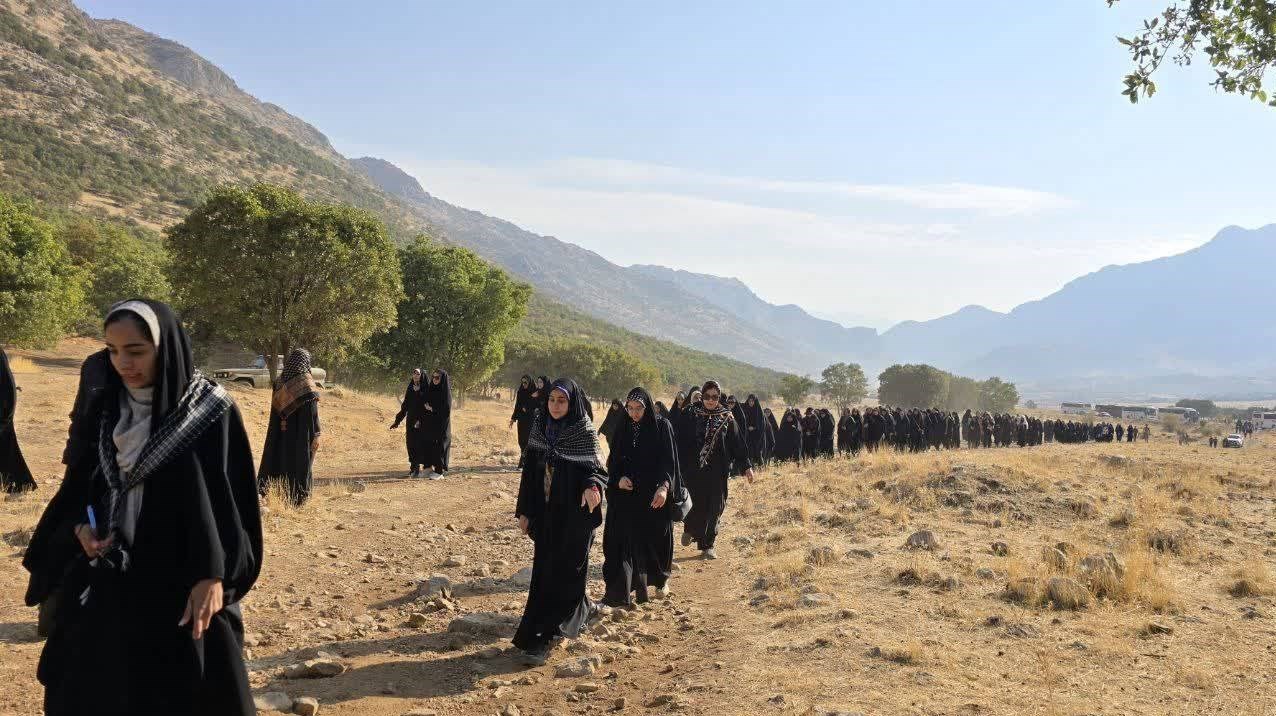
{"x":788,"y":439}
{"x":713,"y":443}
{"x":560,"y":466}
{"x":611,"y":422}
{"x":293,"y":434}
{"x":412,"y":409}
{"x":755,"y":429}
{"x":524,"y":411}
{"x":772,"y":432}
{"x":811,"y":434}
{"x":175,"y":502}
{"x":828,"y":433}
{"x":437,"y":423}
{"x":14,"y":474}
{"x":638,"y":537}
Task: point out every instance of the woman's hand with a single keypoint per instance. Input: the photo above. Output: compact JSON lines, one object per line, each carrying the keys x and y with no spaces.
{"x":205,"y":601}
{"x":93,"y":547}
{"x":625,"y":484}
{"x":523,"y":523}
{"x":661,"y":495}
{"x":749,"y":474}
{"x":591,"y":498}
{"x":417,"y":424}
{"x":314,"y":445}
{"x":429,"y":407}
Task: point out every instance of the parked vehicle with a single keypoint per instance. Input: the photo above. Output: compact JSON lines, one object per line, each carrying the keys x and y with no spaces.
{"x":258,"y":375}
{"x":1234,"y":440}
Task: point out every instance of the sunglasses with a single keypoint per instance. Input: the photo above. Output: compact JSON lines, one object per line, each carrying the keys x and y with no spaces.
{"x":711,"y":396}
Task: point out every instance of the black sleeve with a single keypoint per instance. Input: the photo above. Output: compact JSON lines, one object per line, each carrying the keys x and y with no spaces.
{"x":528,"y":491}
{"x":224,"y":525}
{"x":315,"y":429}
{"x":403,"y":407}
{"x":736,"y":449}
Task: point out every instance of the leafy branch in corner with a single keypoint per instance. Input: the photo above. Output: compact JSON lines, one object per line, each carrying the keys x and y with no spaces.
{"x":1238,"y":37}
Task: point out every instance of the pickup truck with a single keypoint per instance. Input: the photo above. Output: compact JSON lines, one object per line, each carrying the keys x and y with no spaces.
{"x":258,"y":376}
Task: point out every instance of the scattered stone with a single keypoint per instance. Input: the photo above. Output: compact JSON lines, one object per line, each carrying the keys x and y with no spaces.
{"x":821,"y":555}
{"x":620,"y":704}
{"x":484,"y":624}
{"x":489,"y":653}
{"x":306,"y":706}
{"x":455,"y":560}
{"x":985,"y":573}
{"x":522,"y":578}
{"x":759,"y":599}
{"x":579,"y":667}
{"x":1022,"y":631}
{"x":1054,"y":558}
{"x":1001,"y":549}
{"x":417,"y":620}
{"x":273,"y":701}
{"x":421,"y":711}
{"x":1067,"y":593}
{"x":320,"y":668}
{"x":815,"y":600}
{"x":949,"y":584}
{"x":587,"y":687}
{"x":993,"y":620}
{"x":371,"y":558}
{"x":1117,"y":460}
{"x":511,"y":710}
{"x":1156,"y":628}
{"x":924,"y":539}
{"x":436,"y":585}
{"x":482,"y":570}
{"x":528,"y":680}
{"x":861,"y":553}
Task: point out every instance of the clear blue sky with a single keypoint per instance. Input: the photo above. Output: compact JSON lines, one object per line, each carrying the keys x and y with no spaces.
{"x":882,"y":160}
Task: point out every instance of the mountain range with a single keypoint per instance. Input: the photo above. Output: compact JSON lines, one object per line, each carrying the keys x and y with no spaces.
{"x":106,"y":117}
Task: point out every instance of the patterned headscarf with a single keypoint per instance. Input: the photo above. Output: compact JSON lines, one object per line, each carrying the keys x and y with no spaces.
{"x":295,"y":387}
{"x":571,"y":438}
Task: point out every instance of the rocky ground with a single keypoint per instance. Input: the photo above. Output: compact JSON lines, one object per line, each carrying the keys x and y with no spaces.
{"x":1096,"y":579}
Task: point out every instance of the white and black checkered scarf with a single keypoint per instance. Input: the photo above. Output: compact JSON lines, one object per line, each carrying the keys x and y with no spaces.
{"x":202,"y":405}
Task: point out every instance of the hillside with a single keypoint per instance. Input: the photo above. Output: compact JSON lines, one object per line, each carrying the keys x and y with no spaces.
{"x":633,"y":300}
{"x":102,"y":117}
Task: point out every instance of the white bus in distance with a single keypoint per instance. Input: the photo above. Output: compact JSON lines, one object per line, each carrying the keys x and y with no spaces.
{"x":1149,"y":414}
{"x":1075,"y":408}
{"x":1189,"y":415}
{"x":1263,"y":420}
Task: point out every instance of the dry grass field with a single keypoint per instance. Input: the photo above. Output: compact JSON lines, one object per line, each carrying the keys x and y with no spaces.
{"x":1094,"y":579}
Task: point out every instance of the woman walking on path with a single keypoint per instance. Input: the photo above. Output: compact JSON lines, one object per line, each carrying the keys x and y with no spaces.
{"x":413,"y":410}
{"x":524,"y":412}
{"x":638,"y":538}
{"x":292,"y":439}
{"x":558,"y":500}
{"x":14,"y":474}
{"x":154,"y":543}
{"x":716,"y":442}
{"x":436,"y":424}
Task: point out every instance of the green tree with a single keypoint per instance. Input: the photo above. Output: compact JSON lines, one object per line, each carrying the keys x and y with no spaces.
{"x":262,"y":267}
{"x":997,"y":396}
{"x":455,"y":315}
{"x":41,"y":292}
{"x":603,"y":372}
{"x":913,"y":386}
{"x":1206,"y":408}
{"x":844,"y":384}
{"x":963,"y":393}
{"x":1237,"y":36}
{"x":120,"y":264}
{"x":794,"y":388}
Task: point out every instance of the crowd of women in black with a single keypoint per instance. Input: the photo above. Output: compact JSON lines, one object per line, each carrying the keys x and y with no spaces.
{"x":427,"y":408}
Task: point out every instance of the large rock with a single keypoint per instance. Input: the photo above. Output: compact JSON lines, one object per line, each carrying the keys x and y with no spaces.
{"x":273,"y":701}
{"x":578,"y":667}
{"x":456,"y":560}
{"x":1067,"y":593}
{"x":306,"y":706}
{"x":925,"y":539}
{"x":436,"y":585}
{"x":522,"y":578}
{"x":484,"y":624}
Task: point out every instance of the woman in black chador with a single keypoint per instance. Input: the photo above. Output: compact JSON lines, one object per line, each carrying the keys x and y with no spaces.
{"x":810,"y":434}
{"x":154,"y":543}
{"x":772,"y":433}
{"x":558,"y":500}
{"x":755,"y":429}
{"x":293,"y":436}
{"x":713,"y":444}
{"x":436,"y":424}
{"x":638,"y":538}
{"x":14,"y":474}
{"x":524,"y":411}
{"x":413,"y":410}
{"x":788,"y":440}
{"x":611,"y":422}
{"x":828,"y":433}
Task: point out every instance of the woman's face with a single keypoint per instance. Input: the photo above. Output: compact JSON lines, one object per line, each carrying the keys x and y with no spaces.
{"x":751,"y":402}
{"x":436,"y":377}
{"x":558,"y":404}
{"x":540,"y":384}
{"x":132,"y":353}
{"x":636,"y":410}
{"x":416,"y":375}
{"x":523,"y":384}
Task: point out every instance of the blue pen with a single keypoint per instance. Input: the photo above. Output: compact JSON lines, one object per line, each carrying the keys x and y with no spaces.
{"x":92,"y":520}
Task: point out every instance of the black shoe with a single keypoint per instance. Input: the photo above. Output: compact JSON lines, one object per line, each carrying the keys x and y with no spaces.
{"x":535,"y":657}
{"x":687,"y":539}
